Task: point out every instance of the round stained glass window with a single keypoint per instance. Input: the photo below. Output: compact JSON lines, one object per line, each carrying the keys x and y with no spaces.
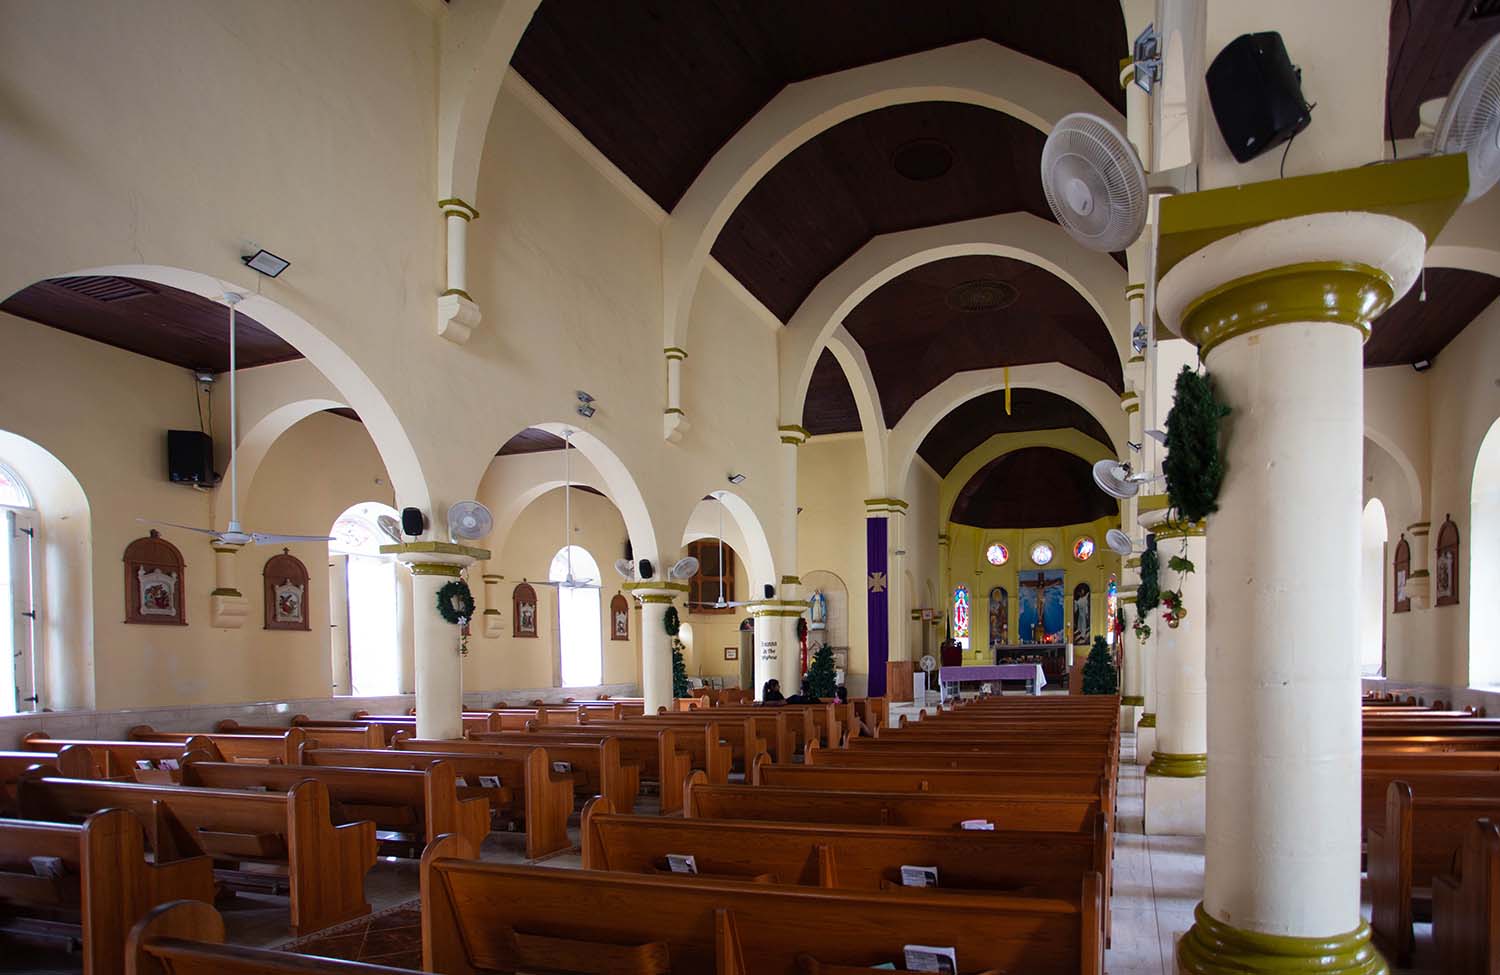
{"x":1083,"y":549}
{"x":997,"y":554}
{"x":1041,"y":553}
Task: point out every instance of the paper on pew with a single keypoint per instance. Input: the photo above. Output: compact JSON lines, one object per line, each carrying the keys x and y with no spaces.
{"x":918,"y":876}
{"x":562,"y":766}
{"x":924,"y":958}
{"x":489,"y":781}
{"x":976,"y":824}
{"x":51,"y":868}
{"x":682,"y":863}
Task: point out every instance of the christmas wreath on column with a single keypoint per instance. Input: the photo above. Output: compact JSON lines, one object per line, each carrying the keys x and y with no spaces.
{"x":672,"y":623}
{"x":1194,"y":466}
{"x":455,"y":604}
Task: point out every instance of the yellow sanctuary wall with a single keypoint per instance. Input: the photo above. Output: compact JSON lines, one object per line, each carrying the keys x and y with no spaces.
{"x":967,"y":566}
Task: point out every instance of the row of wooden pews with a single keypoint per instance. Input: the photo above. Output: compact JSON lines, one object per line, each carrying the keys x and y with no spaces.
{"x":1430,"y":802}
{"x":829,"y":873}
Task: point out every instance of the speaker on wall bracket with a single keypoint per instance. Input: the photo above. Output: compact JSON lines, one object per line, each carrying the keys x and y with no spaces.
{"x":1256,"y":94}
{"x":413,"y":523}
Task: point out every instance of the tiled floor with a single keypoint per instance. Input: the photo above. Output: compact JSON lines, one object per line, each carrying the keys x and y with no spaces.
{"x":1158,"y":882}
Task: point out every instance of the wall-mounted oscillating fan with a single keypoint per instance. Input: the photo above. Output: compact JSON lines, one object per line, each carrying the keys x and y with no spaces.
{"x":1116,"y":479}
{"x":391,"y":527}
{"x":469,"y":520}
{"x":234,"y":534}
{"x":1470,"y":121}
{"x":1119,"y":542}
{"x":1094,"y":182}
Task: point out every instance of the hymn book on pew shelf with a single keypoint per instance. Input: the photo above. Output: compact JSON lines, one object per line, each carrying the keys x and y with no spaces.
{"x":925,"y":958}
{"x":976,"y":824}
{"x":918,"y":876}
{"x":682,"y":863}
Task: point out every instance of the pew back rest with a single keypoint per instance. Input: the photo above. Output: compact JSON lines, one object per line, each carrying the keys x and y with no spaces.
{"x":481,"y":916}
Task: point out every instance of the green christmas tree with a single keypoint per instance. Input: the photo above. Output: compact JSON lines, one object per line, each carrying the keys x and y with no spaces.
{"x":673,"y":623}
{"x":820,"y":676}
{"x":1099,"y":675}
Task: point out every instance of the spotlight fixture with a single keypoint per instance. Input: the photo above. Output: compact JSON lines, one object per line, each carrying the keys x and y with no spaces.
{"x":266,"y":263}
{"x":586,"y":407}
{"x":1422,"y":365}
{"x":737,"y":478}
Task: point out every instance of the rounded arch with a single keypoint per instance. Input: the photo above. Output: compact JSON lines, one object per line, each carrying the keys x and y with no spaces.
{"x":1373,"y":533}
{"x":974,"y":72}
{"x":851,"y":359}
{"x":356,"y":388}
{"x":1484,"y":562}
{"x":1468,"y":240}
{"x":1412,"y":481}
{"x":1019,"y":236}
{"x":1069,"y":440}
{"x":742,"y":531}
{"x":63,"y":567}
{"x":595,"y":464}
{"x":1094,"y":396}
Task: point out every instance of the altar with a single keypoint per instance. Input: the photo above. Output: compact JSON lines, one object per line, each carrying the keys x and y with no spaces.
{"x":952,"y":679}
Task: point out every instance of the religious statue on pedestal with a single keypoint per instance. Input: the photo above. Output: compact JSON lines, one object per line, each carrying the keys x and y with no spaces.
{"x":819,"y":603}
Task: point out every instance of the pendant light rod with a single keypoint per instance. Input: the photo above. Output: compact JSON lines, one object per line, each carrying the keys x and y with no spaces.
{"x":232,"y":300}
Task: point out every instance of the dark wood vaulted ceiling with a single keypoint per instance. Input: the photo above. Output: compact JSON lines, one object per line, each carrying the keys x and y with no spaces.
{"x":659,"y":86}
{"x":532,"y":440}
{"x":980,"y":418}
{"x":1035,"y":487}
{"x":914,"y":338}
{"x":149,"y":319}
{"x":830,"y":405}
{"x":1429,"y":48}
{"x":1413,"y":329}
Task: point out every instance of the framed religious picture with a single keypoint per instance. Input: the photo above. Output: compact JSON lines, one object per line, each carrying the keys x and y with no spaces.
{"x":1445,"y":569}
{"x":284,"y":580}
{"x":523,"y":611}
{"x":1400,"y":572}
{"x":154,"y":582}
{"x":731,"y":653}
{"x":619,"y":618}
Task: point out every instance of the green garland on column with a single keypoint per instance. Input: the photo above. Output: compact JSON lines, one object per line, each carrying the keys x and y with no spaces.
{"x":672,"y":623}
{"x":1148,"y":593}
{"x":1194,"y":466}
{"x":455,"y":604}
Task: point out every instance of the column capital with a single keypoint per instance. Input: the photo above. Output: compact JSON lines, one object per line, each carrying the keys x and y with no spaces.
{"x":675,"y":352}
{"x":435,"y":558}
{"x":655,"y":592}
{"x":1335,"y":247}
{"x":793,"y":433}
{"x":885,"y":506}
{"x":1420,"y":528}
{"x":454,"y":207}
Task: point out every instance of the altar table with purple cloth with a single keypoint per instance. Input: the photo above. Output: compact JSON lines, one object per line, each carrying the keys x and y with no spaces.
{"x":955,"y":676}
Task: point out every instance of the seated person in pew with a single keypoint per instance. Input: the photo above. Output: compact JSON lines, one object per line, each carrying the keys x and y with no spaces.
{"x":771,"y":692}
{"x":803,"y":695}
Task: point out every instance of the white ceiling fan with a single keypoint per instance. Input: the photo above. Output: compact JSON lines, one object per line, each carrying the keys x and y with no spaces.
{"x":235,"y":535}
{"x":569,"y":580}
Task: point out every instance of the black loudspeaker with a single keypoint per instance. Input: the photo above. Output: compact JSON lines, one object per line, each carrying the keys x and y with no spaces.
{"x":412,"y":522}
{"x":1256,"y":95}
{"x":770,"y":591}
{"x":647,"y":569}
{"x":190,"y":457}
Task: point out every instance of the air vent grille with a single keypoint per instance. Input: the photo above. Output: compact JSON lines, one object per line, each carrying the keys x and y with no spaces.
{"x":982,"y":295}
{"x":103,"y":288}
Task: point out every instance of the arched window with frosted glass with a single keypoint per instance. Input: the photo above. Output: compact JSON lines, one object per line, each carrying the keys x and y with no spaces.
{"x":579,"y":627}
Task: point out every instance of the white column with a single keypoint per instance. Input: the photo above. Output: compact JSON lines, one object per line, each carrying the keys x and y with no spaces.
{"x":1176,"y":789}
{"x":1279,"y":313}
{"x":406,"y":640}
{"x":656,"y":646}
{"x":674,"y":418}
{"x":769,"y":649}
{"x":458,"y":314}
{"x":439,"y":666}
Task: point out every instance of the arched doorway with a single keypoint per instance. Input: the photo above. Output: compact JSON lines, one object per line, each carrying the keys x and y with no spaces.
{"x":364,"y":594}
{"x":1484,"y":563}
{"x":579,"y":626}
{"x":1373,"y":538}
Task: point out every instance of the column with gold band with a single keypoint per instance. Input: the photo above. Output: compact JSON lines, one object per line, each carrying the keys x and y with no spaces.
{"x":674,"y":418}
{"x":656,"y":647}
{"x":458,"y":313}
{"x":1176,"y":791}
{"x":1277,"y":283}
{"x":440,"y":676}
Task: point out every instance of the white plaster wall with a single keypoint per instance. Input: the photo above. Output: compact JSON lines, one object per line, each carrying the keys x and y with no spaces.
{"x":831,"y":528}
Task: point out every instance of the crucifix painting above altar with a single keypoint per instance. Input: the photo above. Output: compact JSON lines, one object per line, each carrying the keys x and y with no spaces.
{"x":1041,"y":616}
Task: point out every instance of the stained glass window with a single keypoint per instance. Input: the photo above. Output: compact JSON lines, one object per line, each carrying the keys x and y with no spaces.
{"x":997,"y":554}
{"x":1041,"y":553}
{"x":1083,"y":549}
{"x":961,"y":613}
{"x":1112,"y":608}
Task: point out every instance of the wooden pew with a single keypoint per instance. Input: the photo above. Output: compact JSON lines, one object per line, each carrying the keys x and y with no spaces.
{"x":490,"y":917}
{"x":934,"y":754}
{"x":326,"y":864}
{"x":187,"y":938}
{"x":849,"y":857}
{"x":117,"y":760}
{"x":472,"y":721}
{"x":270,"y":749}
{"x":663,"y":754}
{"x":1424,"y":780}
{"x":774,"y":726}
{"x":12,"y":766}
{"x":1416,"y":842}
{"x":931,"y":810}
{"x":595,"y":762}
{"x":543,"y":798}
{"x":411,"y":806}
{"x":321,"y":736}
{"x":1431,"y":743}
{"x":106,"y":884}
{"x":739,"y":733}
{"x":1466,"y":905}
{"x":952,"y":781}
{"x":1465,"y":727}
